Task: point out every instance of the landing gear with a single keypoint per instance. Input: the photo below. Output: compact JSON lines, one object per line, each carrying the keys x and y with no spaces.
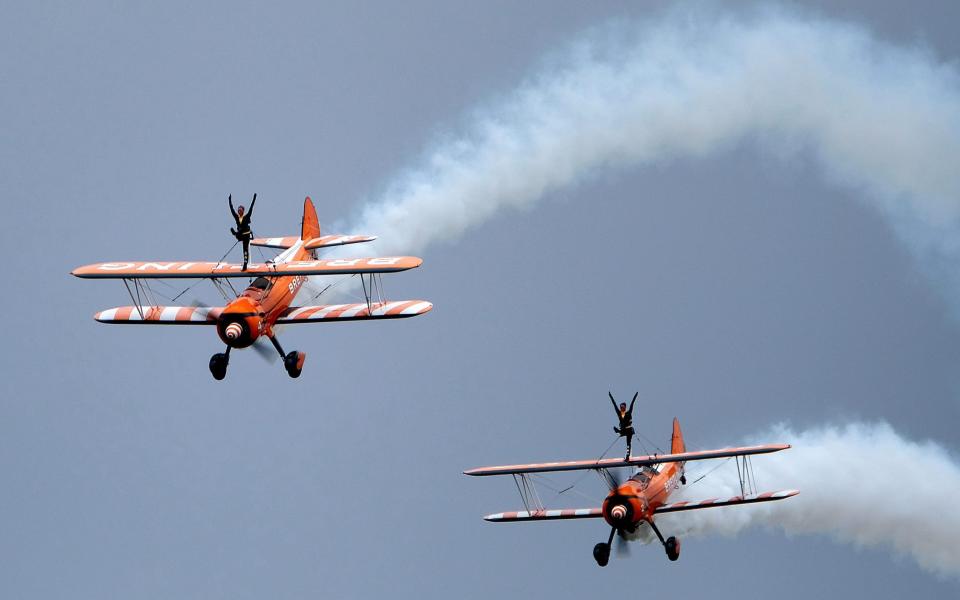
{"x":218,"y":364}
{"x":292,"y":362}
{"x":601,"y":552}
{"x":683,"y":480}
{"x":671,"y":544}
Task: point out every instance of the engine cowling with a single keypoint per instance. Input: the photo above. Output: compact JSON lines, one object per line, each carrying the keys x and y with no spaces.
{"x":240,"y":323}
{"x":624,"y":508}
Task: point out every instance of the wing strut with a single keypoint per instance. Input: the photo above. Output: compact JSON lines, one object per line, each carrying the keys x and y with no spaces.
{"x":135,"y":300}
{"x":140,"y":293}
{"x":372,"y":290}
{"x":222,"y":288}
{"x":528,"y":493}
{"x":748,"y":479}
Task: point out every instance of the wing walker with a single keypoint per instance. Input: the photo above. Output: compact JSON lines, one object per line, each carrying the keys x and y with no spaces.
{"x":254,"y":312}
{"x":631,"y":506}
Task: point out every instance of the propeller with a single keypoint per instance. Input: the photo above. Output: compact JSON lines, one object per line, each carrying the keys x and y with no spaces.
{"x":622,"y":548}
{"x":265,"y":350}
{"x":614,"y":478}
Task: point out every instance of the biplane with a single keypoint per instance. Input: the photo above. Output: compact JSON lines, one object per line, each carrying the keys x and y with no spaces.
{"x":631,"y":506}
{"x":254,"y":312}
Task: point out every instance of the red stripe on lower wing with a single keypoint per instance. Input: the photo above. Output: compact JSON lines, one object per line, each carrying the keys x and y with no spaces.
{"x":399,"y":309}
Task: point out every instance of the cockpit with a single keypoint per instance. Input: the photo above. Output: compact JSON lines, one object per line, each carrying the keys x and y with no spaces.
{"x":258,"y":288}
{"x":260,"y":283}
{"x":644,"y":475}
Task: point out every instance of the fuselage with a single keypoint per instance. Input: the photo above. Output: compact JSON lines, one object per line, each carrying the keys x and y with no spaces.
{"x":635,"y":501}
{"x":258,"y":307}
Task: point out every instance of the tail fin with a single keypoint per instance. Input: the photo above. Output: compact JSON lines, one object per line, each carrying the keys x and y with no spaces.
{"x":310,"y":225}
{"x":676,"y":440}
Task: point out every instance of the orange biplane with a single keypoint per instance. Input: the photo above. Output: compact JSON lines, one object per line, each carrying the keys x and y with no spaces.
{"x":265,"y":303}
{"x":632,"y":505}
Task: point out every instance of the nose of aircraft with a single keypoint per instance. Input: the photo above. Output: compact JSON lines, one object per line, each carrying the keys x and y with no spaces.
{"x":618,"y":512}
{"x":233,"y":331}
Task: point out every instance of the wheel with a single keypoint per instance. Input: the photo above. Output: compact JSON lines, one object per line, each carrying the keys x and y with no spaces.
{"x":218,"y":366}
{"x":683,"y":479}
{"x":601,"y":554}
{"x":293,"y":363}
{"x":672,"y":546}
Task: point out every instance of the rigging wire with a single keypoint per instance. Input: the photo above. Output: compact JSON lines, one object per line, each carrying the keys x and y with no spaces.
{"x":698,"y":479}
{"x":659,"y":449}
{"x":333,"y":285}
{"x":585,"y":473}
{"x":219,"y":262}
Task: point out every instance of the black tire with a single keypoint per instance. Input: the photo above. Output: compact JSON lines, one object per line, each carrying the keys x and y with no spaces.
{"x":218,"y":366}
{"x":290,"y":364}
{"x":672,"y":547}
{"x":601,"y":554}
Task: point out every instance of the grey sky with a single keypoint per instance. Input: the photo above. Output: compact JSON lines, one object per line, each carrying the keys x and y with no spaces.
{"x":741,"y":291}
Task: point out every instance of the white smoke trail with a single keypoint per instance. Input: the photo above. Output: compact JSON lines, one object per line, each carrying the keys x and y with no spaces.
{"x":878,"y":118}
{"x":861,"y":483}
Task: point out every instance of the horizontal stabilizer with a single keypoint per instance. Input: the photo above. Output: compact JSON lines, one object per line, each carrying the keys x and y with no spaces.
{"x":352,"y":312}
{"x":546,"y":515}
{"x":325,"y":241}
{"x":749,"y":499}
{"x":194,"y":270}
{"x":281,"y":243}
{"x":160,"y":315}
{"x":633,"y":461}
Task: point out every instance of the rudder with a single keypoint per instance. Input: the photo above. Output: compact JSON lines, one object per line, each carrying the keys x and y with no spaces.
{"x":676,"y":440}
{"x":309,"y":225}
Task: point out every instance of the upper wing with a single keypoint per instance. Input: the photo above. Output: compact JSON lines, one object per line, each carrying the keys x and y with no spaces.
{"x":546,"y":515}
{"x":320,"y":242}
{"x":349,"y":312}
{"x":167,"y":270}
{"x":634,"y":461}
{"x":161,"y":315}
{"x":749,"y":499}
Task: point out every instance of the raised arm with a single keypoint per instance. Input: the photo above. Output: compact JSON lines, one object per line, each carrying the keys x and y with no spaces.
{"x":252,"y":202}
{"x":632,"y":401}
{"x":232,"y":211}
{"x":616,"y":408}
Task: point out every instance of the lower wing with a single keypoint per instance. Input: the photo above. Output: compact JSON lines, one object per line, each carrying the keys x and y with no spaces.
{"x":748,"y":499}
{"x":161,"y":315}
{"x":194,"y":315}
{"x":594,"y":513}
{"x":354,"y":312}
{"x":545,"y":515}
